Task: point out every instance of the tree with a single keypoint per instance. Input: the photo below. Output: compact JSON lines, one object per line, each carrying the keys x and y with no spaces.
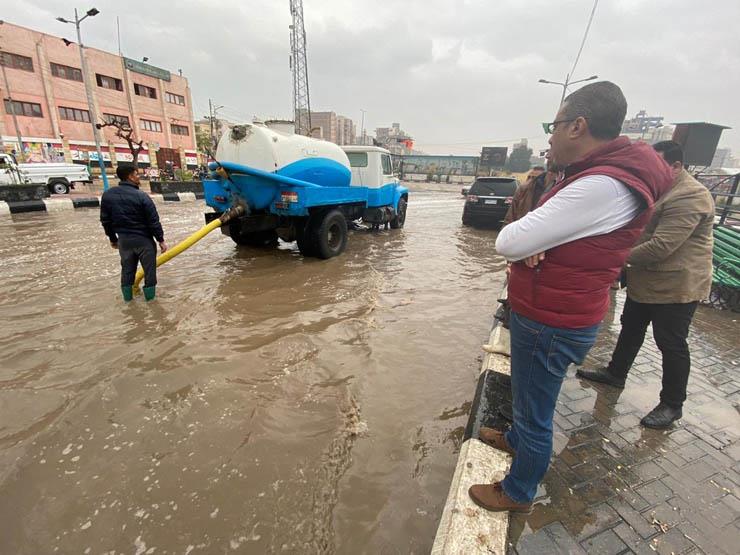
{"x":518,"y":161}
{"x":125,"y":131}
{"x":203,"y":139}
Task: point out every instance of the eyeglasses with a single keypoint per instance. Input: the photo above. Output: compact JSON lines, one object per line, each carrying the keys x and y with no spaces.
{"x":549,"y":128}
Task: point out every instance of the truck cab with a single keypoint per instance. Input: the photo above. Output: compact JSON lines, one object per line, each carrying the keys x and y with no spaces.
{"x":58,"y":177}
{"x":371,"y":166}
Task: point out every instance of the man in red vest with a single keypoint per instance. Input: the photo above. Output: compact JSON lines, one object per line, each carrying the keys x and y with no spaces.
{"x":566,"y":254}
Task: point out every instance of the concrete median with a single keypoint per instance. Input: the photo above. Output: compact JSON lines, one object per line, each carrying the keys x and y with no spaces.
{"x":465,"y":527}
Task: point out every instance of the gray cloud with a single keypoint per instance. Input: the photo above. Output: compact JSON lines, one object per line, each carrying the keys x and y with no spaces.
{"x":456,"y":74}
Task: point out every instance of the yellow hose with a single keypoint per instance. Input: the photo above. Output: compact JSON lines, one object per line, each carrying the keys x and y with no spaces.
{"x":189,"y":242}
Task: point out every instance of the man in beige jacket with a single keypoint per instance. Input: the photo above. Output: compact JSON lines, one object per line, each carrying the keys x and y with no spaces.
{"x":668,"y":271}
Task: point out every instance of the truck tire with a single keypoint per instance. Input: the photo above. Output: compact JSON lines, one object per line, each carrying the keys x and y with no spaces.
{"x":58,"y":187}
{"x":400,"y":218}
{"x":330,"y":234}
{"x":305,"y":238}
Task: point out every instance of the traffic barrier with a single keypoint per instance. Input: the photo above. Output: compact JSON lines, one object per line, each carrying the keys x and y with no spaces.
{"x":58,"y":204}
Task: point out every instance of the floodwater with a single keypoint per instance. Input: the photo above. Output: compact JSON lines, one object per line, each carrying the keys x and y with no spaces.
{"x":265,"y":403}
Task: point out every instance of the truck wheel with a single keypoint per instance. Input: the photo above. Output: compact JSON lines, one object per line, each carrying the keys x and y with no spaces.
{"x":305,"y":239}
{"x":58,"y":187}
{"x":400,"y":218}
{"x":330,"y":235}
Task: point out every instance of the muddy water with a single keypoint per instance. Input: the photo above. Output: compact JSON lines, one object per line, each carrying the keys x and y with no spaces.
{"x":264,"y":403}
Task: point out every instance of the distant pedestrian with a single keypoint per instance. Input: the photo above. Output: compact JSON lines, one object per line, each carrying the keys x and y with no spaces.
{"x":566,"y":254}
{"x":131,"y":222}
{"x":668,"y":272}
{"x":528,"y":195}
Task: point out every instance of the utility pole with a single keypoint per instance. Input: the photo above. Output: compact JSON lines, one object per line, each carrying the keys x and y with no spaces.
{"x":212,"y":111}
{"x":88,"y":89}
{"x":21,"y":156}
{"x":126,"y":83}
{"x":362,"y":126}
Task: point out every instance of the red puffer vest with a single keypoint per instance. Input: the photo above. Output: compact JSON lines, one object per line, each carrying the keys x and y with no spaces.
{"x":570,"y":288}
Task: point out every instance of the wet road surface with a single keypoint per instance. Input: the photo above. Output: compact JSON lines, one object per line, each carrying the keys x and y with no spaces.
{"x":264,"y":403}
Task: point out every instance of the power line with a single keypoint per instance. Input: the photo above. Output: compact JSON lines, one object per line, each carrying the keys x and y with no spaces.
{"x":585,"y":35}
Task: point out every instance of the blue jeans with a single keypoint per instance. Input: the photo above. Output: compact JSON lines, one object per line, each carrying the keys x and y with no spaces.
{"x":540,"y":356}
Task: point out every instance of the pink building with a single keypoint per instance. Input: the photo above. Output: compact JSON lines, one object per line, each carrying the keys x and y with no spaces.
{"x":44,"y":79}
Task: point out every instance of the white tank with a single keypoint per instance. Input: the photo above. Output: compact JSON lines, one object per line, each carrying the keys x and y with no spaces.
{"x":273,"y":145}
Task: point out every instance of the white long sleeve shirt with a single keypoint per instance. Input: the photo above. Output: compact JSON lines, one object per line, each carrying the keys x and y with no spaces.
{"x":593,"y":205}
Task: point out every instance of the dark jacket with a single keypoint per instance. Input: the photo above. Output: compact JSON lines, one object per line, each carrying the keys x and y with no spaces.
{"x":125,"y":210}
{"x":570,"y":287}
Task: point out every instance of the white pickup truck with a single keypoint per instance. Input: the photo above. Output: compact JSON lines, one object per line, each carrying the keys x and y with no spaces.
{"x":59,"y":178}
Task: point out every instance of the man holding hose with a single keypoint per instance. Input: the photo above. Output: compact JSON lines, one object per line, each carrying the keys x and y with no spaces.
{"x":131,"y":222}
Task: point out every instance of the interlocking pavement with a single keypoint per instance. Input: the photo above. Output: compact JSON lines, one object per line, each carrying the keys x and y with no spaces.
{"x":615,"y":487}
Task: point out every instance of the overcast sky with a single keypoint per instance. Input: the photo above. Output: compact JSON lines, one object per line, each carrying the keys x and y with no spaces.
{"x":457,"y":74}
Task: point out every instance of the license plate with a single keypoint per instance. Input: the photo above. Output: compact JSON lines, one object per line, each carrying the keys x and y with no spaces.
{"x":491,"y":202}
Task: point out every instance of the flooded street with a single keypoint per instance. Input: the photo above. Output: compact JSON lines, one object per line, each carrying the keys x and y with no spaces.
{"x":264,"y":403}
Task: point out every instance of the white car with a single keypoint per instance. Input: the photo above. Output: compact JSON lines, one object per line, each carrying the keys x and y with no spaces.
{"x":59,"y":178}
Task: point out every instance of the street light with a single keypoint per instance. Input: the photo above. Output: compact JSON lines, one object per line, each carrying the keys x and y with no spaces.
{"x":92,"y":12}
{"x":21,"y":154}
{"x":362,"y":126}
{"x":567,"y":83}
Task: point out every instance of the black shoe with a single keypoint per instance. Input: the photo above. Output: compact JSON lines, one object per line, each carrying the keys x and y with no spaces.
{"x":661,"y":417}
{"x":600,"y":375}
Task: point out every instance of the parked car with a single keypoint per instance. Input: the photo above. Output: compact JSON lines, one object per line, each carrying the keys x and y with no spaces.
{"x":488,"y":200}
{"x":58,"y":178}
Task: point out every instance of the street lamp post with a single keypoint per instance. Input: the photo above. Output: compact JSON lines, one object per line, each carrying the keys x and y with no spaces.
{"x":88,"y":89}
{"x":21,"y":154}
{"x":567,"y":83}
{"x":362,"y":126}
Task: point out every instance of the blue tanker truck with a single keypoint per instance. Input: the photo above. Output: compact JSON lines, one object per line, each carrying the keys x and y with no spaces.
{"x":300,"y":189}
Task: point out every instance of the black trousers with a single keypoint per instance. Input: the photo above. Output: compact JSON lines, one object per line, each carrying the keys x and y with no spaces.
{"x":670,"y":328}
{"x":134,"y":249}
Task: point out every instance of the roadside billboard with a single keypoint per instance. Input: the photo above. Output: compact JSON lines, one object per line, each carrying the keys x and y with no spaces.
{"x":439,"y":165}
{"x":493,"y":157}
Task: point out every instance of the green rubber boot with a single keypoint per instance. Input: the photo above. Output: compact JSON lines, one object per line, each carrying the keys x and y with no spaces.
{"x":149,"y":292}
{"x":128,"y":292}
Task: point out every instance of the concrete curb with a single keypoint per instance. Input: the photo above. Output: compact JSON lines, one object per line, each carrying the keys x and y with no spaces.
{"x":70,"y":203}
{"x":464,"y":527}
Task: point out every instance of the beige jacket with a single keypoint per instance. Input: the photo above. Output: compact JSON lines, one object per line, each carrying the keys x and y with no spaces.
{"x":672,"y":261}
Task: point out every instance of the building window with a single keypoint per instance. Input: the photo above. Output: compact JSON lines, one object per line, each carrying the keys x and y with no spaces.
{"x":28,"y":109}
{"x":16,"y":61}
{"x":143,"y":90}
{"x":179,"y":129}
{"x":173,"y":98}
{"x":74,"y":114}
{"x":109,"y":82}
{"x":149,"y":125}
{"x":116,"y":119}
{"x":66,"y":72}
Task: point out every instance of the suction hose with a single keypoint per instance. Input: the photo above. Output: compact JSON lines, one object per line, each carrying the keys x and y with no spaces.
{"x":233,"y":212}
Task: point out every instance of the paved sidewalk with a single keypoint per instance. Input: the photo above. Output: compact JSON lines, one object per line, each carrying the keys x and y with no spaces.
{"x":615,"y":487}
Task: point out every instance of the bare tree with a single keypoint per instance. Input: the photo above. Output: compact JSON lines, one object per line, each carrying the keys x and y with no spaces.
{"x":123,"y":130}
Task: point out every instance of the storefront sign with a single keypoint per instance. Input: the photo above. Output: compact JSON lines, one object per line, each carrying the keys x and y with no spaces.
{"x":146,"y":69}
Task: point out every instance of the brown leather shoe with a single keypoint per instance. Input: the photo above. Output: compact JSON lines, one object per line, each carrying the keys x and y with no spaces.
{"x":493,"y":498}
{"x":495,"y":439}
